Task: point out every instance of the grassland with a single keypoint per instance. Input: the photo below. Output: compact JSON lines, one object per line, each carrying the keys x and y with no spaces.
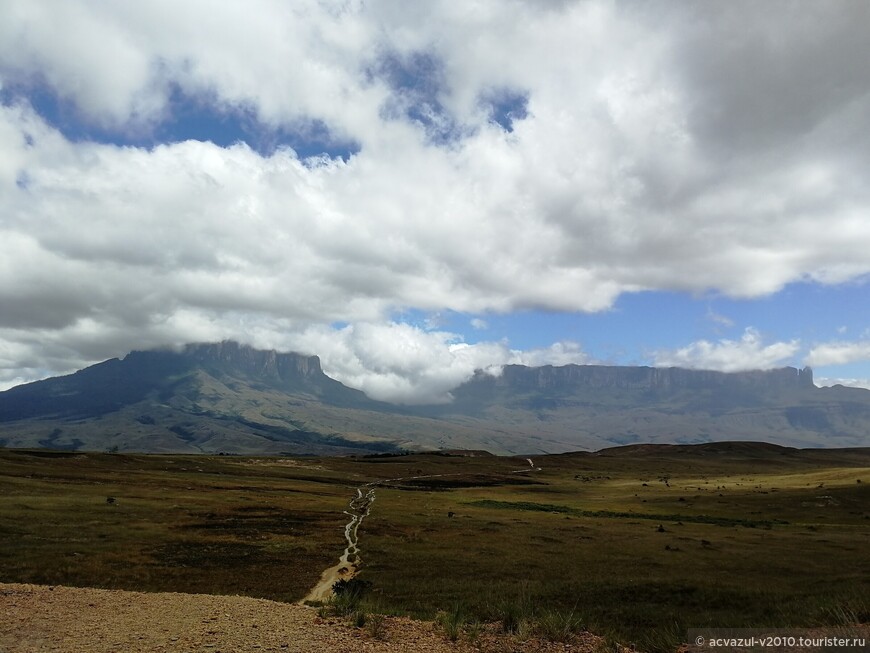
{"x":636,"y":543}
{"x":168,"y":523}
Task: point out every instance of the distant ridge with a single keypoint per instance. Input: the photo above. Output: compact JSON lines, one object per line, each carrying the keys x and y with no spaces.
{"x":735,"y":450}
{"x":740,"y":447}
{"x":231,"y":398}
{"x":650,"y":378}
{"x":547,"y":384}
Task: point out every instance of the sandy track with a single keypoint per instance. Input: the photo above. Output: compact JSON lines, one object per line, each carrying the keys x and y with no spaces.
{"x":40,"y":619}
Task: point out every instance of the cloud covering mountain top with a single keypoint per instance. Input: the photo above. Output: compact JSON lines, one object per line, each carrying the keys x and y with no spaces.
{"x":479,"y":158}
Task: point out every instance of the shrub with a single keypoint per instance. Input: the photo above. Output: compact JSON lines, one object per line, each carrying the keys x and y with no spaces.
{"x":351,"y":587}
{"x":347,"y":596}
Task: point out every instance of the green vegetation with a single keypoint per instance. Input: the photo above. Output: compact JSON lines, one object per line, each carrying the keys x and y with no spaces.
{"x":559,"y":625}
{"x":634,"y":544}
{"x":168,"y":523}
{"x":698,"y":519}
{"x":638,"y":545}
{"x":452,"y":621}
{"x":347,"y":599}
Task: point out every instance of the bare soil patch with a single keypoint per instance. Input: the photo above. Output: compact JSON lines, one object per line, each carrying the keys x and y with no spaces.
{"x":35,"y":618}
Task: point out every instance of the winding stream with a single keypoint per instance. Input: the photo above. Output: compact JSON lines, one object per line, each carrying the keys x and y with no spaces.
{"x":358,"y":509}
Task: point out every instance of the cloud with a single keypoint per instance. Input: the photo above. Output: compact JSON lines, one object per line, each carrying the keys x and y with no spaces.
{"x":559,"y":353}
{"x":511,"y":156}
{"x":401,"y":363}
{"x":479,"y":324}
{"x":748,"y":353}
{"x":838,"y":353}
{"x":849,"y":383}
{"x":721,"y":320}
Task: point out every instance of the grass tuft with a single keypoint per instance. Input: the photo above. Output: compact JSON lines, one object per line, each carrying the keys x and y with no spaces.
{"x":452,"y":621}
{"x":376,"y":625}
{"x":515,"y":615}
{"x":559,"y":625}
{"x":664,"y":638}
{"x":847,"y":612}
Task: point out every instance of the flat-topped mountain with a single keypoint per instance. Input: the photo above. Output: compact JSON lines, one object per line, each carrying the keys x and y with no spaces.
{"x":289,"y":371}
{"x":645,"y":378}
{"x":115,"y":383}
{"x":227,"y":397}
{"x":550,"y":387}
{"x":202,"y":398}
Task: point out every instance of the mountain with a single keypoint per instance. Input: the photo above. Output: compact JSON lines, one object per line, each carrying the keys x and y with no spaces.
{"x":225,"y":397}
{"x":602,"y":406}
{"x":206,"y":397}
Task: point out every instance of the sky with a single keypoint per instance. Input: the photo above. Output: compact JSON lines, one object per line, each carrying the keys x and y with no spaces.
{"x":413,"y":191}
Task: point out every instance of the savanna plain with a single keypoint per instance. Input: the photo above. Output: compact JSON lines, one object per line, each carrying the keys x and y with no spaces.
{"x":636,"y":544}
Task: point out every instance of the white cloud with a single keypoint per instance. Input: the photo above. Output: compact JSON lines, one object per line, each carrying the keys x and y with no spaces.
{"x":401,"y":363}
{"x":849,"y":383}
{"x":748,"y":353}
{"x":479,"y":324}
{"x":559,"y":353}
{"x":721,"y":320}
{"x":652,"y":156}
{"x":839,"y":353}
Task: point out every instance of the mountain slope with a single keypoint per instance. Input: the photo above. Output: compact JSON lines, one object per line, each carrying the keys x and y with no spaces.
{"x":225,"y":397}
{"x":607,"y":405}
{"x":214,"y":397}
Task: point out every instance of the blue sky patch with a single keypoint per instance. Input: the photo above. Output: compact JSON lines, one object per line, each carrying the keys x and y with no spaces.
{"x":419,"y":84}
{"x":187,"y":117}
{"x":640,"y":324}
{"x":505,"y":106}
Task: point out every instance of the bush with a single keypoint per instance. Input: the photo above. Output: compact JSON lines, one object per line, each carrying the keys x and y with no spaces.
{"x":347,"y":596}
{"x":352,"y":587}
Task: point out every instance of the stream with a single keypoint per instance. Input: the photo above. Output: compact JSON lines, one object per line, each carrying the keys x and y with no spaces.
{"x":358,"y":509}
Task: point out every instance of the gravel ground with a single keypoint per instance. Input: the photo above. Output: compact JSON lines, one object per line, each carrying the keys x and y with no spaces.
{"x":36,"y":618}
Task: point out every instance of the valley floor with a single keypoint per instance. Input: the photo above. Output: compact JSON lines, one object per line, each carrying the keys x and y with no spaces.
{"x":38,"y":618}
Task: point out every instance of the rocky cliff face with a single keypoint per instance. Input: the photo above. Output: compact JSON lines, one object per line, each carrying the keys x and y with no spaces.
{"x":255,"y":362}
{"x":520,"y":377}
